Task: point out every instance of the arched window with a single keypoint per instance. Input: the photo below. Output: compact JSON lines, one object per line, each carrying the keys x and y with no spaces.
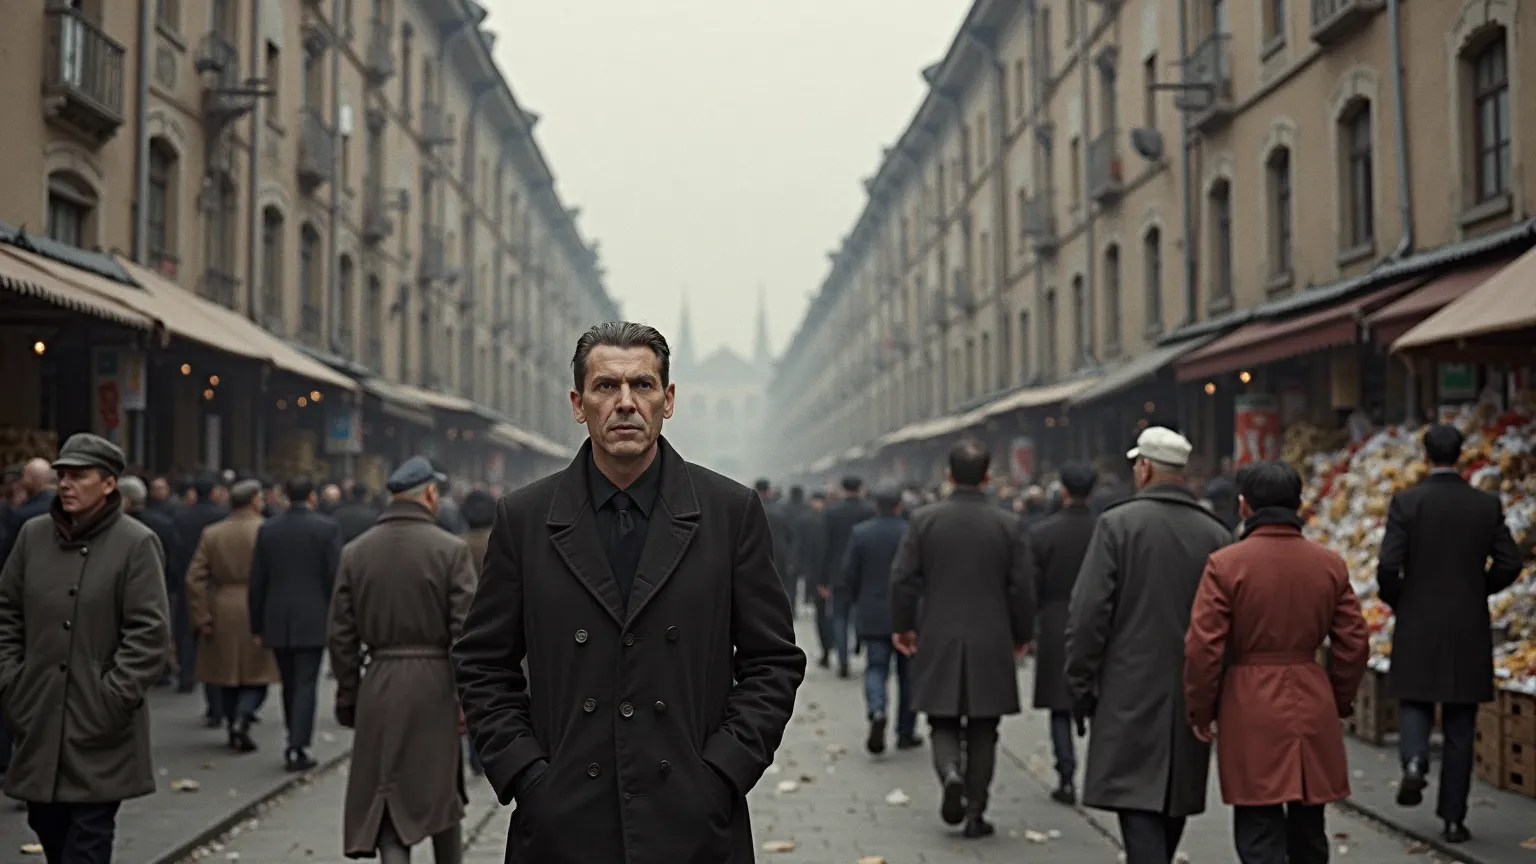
{"x":374,"y":316}
{"x":1112,"y":300}
{"x":345,"y":308}
{"x":160,"y":209}
{"x":1081,"y":326}
{"x":310,"y":282}
{"x":272,"y":313}
{"x":1051,"y":359}
{"x":1152,"y":275}
{"x":1358,"y":171}
{"x":71,"y":209}
{"x":1488,"y":60}
{"x":1277,"y":170}
{"x":1221,"y":241}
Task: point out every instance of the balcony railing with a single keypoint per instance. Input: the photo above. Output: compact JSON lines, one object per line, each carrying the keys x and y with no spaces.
{"x":1333,"y":20}
{"x":381,"y":51}
{"x":219,"y":287}
{"x":1105,"y":180}
{"x":1207,"y":72}
{"x":433,"y":258}
{"x":225,"y":94}
{"x":317,"y":148}
{"x":82,"y":76}
{"x":1040,"y":221}
{"x":434,"y":125}
{"x":378,"y":223}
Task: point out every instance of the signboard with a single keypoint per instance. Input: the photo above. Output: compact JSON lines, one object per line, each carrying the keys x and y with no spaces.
{"x":1457,"y":381}
{"x":343,"y":431}
{"x":107,"y":394}
{"x":495,"y":467}
{"x":135,"y":381}
{"x":1021,"y":460}
{"x":1256,"y":429}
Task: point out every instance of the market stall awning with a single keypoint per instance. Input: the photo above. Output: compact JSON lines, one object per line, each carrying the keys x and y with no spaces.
{"x":1391,"y":321}
{"x":545,"y":447}
{"x":1504,"y":302}
{"x":435,"y":400}
{"x":1277,"y":339}
{"x":1035,"y":397}
{"x":825,"y":463}
{"x":397,"y":403}
{"x":1139,"y":369}
{"x":19,"y":275}
{"x":854,"y":453}
{"x":933,"y":427}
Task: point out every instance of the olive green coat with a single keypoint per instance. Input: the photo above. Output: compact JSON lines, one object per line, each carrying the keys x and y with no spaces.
{"x":83,"y":635}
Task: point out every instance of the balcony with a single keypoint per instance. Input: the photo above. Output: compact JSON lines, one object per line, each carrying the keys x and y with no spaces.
{"x":225,"y":95}
{"x":1106,"y":182}
{"x":317,"y":149}
{"x":434,"y":125}
{"x":433,"y":257}
{"x":219,"y":287}
{"x":380,"y":61}
{"x":1336,"y":20}
{"x":1207,"y":73}
{"x":377,"y":222}
{"x":1040,"y":222}
{"x":82,"y":76}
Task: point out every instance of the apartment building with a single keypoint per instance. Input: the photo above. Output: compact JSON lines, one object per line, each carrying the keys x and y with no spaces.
{"x":1092,"y":186}
{"x":357,"y":176}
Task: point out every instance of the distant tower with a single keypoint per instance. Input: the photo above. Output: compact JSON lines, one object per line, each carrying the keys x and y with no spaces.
{"x":682,"y":346}
{"x":762,"y":357}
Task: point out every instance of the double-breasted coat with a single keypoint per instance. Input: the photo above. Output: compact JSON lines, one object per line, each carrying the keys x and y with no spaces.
{"x":1263,"y":608}
{"x":84,"y":635}
{"x":656,"y":715}
{"x":965,"y":561}
{"x":1057,"y":546}
{"x":218,"y":587}
{"x":402,"y":591}
{"x":293,"y":574}
{"x":1445,"y":549}
{"x":1125,"y":648}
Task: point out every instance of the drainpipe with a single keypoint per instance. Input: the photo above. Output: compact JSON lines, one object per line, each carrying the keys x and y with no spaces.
{"x":1404,"y":188}
{"x":1037,"y":76}
{"x":1090,"y":258}
{"x":333,"y":240}
{"x":1191,"y":273}
{"x":141,"y":143}
{"x":1000,"y":232}
{"x":253,"y":206}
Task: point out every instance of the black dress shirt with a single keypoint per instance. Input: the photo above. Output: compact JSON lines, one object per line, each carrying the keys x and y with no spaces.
{"x":624,"y":557}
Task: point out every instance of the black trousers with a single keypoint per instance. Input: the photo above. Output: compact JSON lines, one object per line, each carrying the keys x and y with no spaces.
{"x":1148,"y":837}
{"x":1280,"y":834}
{"x":1064,"y":746}
{"x":74,"y":833}
{"x":968,"y":744}
{"x":300,"y":671}
{"x":823,"y":620}
{"x":1458,"y":721}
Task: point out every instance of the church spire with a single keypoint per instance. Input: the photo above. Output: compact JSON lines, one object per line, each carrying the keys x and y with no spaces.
{"x":682,"y":347}
{"x":761,"y":355}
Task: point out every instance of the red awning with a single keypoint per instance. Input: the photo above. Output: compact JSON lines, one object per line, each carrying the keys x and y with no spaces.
{"x":1267,"y":341}
{"x":1398,"y":317}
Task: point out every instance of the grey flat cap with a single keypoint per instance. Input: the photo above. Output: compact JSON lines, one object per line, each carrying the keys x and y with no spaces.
{"x":412,"y":473}
{"x":84,"y":450}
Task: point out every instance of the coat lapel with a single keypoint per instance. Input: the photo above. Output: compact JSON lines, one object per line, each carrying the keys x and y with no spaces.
{"x":575,"y":536}
{"x":671,"y":531}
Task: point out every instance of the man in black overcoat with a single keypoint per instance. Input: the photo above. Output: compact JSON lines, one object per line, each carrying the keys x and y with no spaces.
{"x":1057,"y":545}
{"x":965,"y":561}
{"x":783,"y":530}
{"x":810,"y":553}
{"x":642,"y":592}
{"x":1446,"y":548}
{"x":190,"y":520}
{"x":841,"y":517}
{"x":867,"y":578}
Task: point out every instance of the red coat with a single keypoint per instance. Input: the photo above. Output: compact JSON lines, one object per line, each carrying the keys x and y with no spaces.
{"x":1275,"y":596}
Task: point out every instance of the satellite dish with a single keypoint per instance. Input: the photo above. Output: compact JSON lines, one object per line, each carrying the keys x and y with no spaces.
{"x":1148,"y":143}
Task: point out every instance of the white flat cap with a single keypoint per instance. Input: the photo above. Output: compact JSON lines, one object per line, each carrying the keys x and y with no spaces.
{"x":1163,"y":445}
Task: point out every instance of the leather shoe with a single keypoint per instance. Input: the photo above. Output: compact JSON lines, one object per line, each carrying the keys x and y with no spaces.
{"x":1410,"y":790}
{"x":1456,"y":832}
{"x":952,"y":807}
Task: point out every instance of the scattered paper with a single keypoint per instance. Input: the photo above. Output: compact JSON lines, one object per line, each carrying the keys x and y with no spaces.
{"x":1034,"y":837}
{"x":787,"y":786}
{"x":1528,"y":843}
{"x":779,"y":846}
{"x":898,"y":798}
{"x":836,"y":749}
{"x":185,"y":785}
{"x":773,"y":769}
{"x":872,"y":859}
{"x":32,"y":849}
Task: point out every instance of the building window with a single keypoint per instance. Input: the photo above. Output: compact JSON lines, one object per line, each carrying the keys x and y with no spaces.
{"x":1221,"y":241}
{"x":71,"y":209}
{"x":310,"y":281}
{"x":1490,"y":107}
{"x":405,"y":69}
{"x":1004,"y":353}
{"x":344,"y":308}
{"x":986,"y":362}
{"x":1149,"y":110}
{"x":1152,"y":271}
{"x":1074,"y":153}
{"x":1019,"y":100}
{"x":970,"y":368}
{"x":373,"y":323}
{"x":1050,"y":359}
{"x":160,"y":238}
{"x":1274,"y":22}
{"x":1112,"y":301}
{"x":1025,"y":361}
{"x":1080,"y":323}
{"x":1280,"y":210}
{"x":1359,"y":170}
{"x":274,"y":81}
{"x":272,"y":270}
{"x":168,"y":14}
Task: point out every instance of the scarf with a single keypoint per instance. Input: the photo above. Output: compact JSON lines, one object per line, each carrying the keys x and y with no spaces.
{"x":1272,"y":516}
{"x":71,"y":533}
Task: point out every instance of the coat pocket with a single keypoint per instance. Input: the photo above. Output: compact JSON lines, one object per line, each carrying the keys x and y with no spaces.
{"x":100,"y":717}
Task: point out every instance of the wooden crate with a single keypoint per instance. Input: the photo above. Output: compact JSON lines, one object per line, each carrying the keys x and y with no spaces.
{"x":1519,"y":712}
{"x":1488,"y":747}
{"x":1519,"y":770}
{"x":1375,"y":715}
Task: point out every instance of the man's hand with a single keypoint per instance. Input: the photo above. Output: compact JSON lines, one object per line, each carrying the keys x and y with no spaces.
{"x":256,"y":640}
{"x":1205,"y":734}
{"x":1083,"y":710}
{"x":824,"y":592}
{"x":906,"y":642}
{"x":1020,"y":650}
{"x":346,"y":716}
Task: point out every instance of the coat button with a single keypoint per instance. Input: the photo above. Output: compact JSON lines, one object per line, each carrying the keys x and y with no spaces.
{"x":84,"y":550}
{"x":661,"y":707}
{"x":627,"y":710}
{"x":581,"y":637}
{"x":73,"y":591}
{"x":594,"y":769}
{"x":589,"y":706}
{"x":629,"y":639}
{"x":66,"y":625}
{"x":665,"y":766}
{"x":629,"y":796}
{"x":672,"y":633}
{"x":63,"y":667}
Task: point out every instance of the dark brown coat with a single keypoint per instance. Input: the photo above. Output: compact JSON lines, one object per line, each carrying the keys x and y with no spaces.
{"x":1264,"y":606}
{"x":658,"y":713}
{"x":84,"y":635}
{"x":1057,"y":546}
{"x":218,"y":586}
{"x":402,"y":591}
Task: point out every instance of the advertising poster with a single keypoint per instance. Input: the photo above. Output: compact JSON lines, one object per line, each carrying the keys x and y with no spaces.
{"x":1256,"y":430}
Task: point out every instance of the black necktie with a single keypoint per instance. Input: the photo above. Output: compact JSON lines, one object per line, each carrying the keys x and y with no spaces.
{"x":626,"y":521}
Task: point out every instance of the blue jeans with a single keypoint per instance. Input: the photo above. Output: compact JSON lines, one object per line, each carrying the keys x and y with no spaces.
{"x":842,"y":635}
{"x":876,"y":672}
{"x":1063,"y":745}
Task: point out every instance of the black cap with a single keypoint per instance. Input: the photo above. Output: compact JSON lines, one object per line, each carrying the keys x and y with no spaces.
{"x":84,"y":450}
{"x":412,"y":473}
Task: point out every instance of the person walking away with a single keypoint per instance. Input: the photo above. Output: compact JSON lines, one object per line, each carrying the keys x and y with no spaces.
{"x":84,"y":627}
{"x":293,"y":571}
{"x":1445,"y":550}
{"x":403,"y":590}
{"x":448,"y":515}
{"x":867,"y":577}
{"x":783,"y":531}
{"x":36,"y":490}
{"x":190,"y":520}
{"x":1264,"y":607}
{"x":479,"y":511}
{"x":1125,"y":651}
{"x":1058,"y":544}
{"x":840,"y":518}
{"x":641,"y":589}
{"x":357,"y":514}
{"x":229,"y":660}
{"x":811,"y":552}
{"x":138,"y":503}
{"x":965,"y":561}
{"x":794,"y":512}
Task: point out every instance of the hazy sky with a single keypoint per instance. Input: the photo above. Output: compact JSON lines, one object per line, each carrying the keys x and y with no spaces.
{"x":715,"y":145}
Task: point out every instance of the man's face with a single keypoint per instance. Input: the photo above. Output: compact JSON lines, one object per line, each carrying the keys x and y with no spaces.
{"x":219,"y":495}
{"x":159,"y":490}
{"x":622,"y":402}
{"x":82,"y":490}
{"x":818,"y":503}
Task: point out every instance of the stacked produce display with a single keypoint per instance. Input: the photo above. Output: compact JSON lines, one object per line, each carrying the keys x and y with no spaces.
{"x":19,"y":445}
{"x":1347,"y":495}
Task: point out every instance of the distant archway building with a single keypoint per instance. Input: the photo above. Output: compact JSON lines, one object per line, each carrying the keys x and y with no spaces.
{"x":720,"y":400}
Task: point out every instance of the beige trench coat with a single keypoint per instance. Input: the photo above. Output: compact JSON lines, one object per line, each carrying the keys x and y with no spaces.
{"x":83,"y":636}
{"x":402,"y":591}
{"x":218,"y":591}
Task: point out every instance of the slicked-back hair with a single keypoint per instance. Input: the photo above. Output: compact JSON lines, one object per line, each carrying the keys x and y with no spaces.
{"x":1442,"y":444}
{"x":968,"y":462}
{"x":620,"y":334}
{"x":299,"y":487}
{"x":1270,"y":484}
{"x":1078,"y":478}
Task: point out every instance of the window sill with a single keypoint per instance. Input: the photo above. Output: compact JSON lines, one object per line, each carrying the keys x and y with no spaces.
{"x":1274,"y":46}
{"x":172,"y":36}
{"x":1279,"y":283}
{"x":276,"y":128}
{"x":1352,"y":255}
{"x":1495,"y":207}
{"x":1152,"y":331}
{"x":1219,"y":304}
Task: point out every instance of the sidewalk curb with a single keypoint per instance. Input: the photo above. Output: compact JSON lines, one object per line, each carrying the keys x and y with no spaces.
{"x":1458,"y":853}
{"x":183,"y":851}
{"x":1079,"y":809}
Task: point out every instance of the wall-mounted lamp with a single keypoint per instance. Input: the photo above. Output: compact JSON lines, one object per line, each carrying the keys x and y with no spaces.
{"x":1245,"y":376}
{"x":39,"y":348}
{"x":1210,"y":389}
